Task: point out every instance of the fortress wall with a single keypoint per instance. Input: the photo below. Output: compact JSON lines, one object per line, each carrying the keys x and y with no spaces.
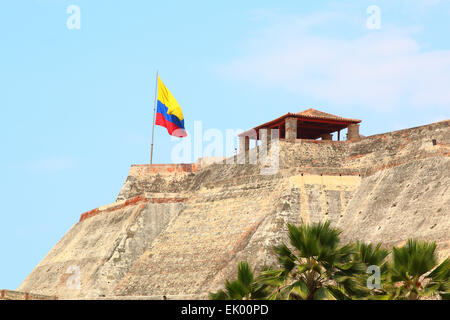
{"x":18,"y":295}
{"x":155,"y":178}
{"x":383,"y":151}
{"x":411,"y":200}
{"x":213,"y":227}
{"x":365,"y":157}
{"x":147,"y":169}
{"x":405,"y":201}
{"x":311,"y":154}
{"x":240,"y":214}
{"x":223,"y":225}
{"x":383,"y":188}
{"x":294,"y":158}
{"x":102,"y":247}
{"x":404,"y":187}
{"x":293,"y":200}
{"x":145,"y":198}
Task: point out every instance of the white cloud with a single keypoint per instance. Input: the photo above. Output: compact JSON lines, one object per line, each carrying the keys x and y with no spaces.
{"x":385,"y":69}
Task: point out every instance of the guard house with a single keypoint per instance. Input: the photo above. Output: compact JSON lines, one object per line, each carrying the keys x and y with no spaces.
{"x":308,"y":124}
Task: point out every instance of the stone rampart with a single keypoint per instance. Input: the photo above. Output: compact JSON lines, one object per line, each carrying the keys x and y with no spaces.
{"x":99,"y":250}
{"x":181,"y":234}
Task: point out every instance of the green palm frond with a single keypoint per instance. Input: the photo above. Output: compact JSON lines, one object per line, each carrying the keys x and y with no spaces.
{"x":244,"y":287}
{"x":413,"y":272}
{"x":236,"y":289}
{"x":379,"y":297}
{"x":337,"y":292}
{"x":298,"y":290}
{"x":219,"y":295}
{"x":315,"y":260}
{"x":413,"y":260}
{"x":441,"y":272}
{"x":439,"y":281}
{"x":285,"y":257}
{"x":315,"y":266}
{"x":245,"y":274}
{"x":323,"y":294}
{"x":316,"y":240}
{"x":369,"y":254}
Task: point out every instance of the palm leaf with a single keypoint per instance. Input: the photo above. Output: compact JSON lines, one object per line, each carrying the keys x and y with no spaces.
{"x":337,"y":293}
{"x":441,"y":272}
{"x":219,"y":295}
{"x":245,"y":274}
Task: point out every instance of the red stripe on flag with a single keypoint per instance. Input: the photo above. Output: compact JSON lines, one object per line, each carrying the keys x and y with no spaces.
{"x":172,"y":128}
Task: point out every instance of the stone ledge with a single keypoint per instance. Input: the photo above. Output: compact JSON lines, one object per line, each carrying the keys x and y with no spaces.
{"x":19,"y":295}
{"x":165,"y":168}
{"x":141,"y":199}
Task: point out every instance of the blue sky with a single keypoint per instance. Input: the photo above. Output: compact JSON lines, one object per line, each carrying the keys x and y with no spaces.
{"x":76,"y":105}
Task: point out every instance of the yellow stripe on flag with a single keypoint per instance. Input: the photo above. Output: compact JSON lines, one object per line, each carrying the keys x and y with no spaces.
{"x":169,"y":100}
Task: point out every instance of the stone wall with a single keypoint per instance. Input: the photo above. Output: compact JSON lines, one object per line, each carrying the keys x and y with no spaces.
{"x":364,"y":158}
{"x":186,"y":232}
{"x":223,"y":225}
{"x":18,"y":295}
{"x":155,"y":178}
{"x":102,"y":246}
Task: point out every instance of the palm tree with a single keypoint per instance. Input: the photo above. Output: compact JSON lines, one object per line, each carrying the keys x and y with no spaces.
{"x":245,"y":287}
{"x":371,"y":256}
{"x":317,"y":267}
{"x":411,"y":274}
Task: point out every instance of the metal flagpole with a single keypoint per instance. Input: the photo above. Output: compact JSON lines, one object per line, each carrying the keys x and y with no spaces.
{"x":154,"y":115}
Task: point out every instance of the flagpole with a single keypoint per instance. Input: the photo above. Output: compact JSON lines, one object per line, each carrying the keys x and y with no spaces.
{"x":154,"y":115}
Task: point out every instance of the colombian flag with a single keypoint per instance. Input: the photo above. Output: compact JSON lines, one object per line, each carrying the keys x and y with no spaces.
{"x":168,"y":112}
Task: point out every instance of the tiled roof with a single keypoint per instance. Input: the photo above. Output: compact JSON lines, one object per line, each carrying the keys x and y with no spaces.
{"x":306,"y":114}
{"x":316,"y":114}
